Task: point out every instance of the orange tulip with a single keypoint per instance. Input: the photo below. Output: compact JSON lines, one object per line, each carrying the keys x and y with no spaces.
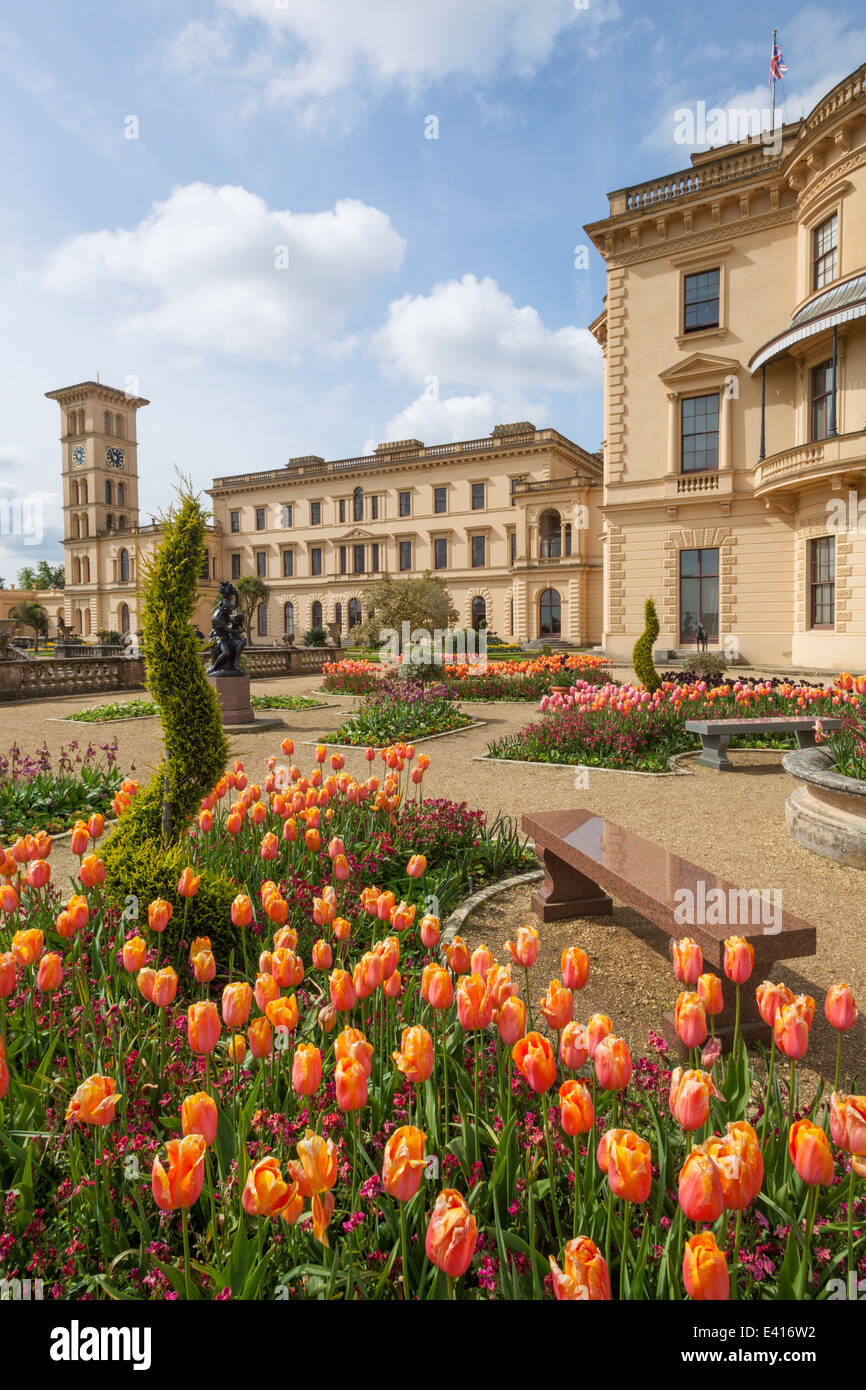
{"x":236,"y":1004}
{"x":266,"y":1192}
{"x":430,"y":931}
{"x":27,"y":945}
{"x":188,"y":883}
{"x":181,"y":1186}
{"x":585,"y":1278}
{"x":627,"y":1161}
{"x":79,"y":839}
{"x":481,"y":961}
{"x":351,"y":1083}
{"x":94,"y":1102}
{"x":144,"y":979}
{"x":474,"y":1002}
{"x":164,"y":987}
{"x":50,"y":973}
{"x":770,"y":999}
{"x":710,"y":993}
{"x":318,"y":1163}
{"x":261,"y":1038}
{"x":415,"y":1058}
{"x":440,"y":988}
{"x":598,"y":1027}
{"x":242,"y":911}
{"x":134,"y":954}
{"x":352,"y":1044}
{"x":416,"y":866}
{"x":404,"y":1163}
{"x":689,"y":1098}
{"x":576,"y":1109}
{"x":452,"y":1234}
{"x":159,"y":914}
{"x":739,"y":959}
{"x":38,"y":874}
{"x":535,"y":1059}
{"x":204,"y":967}
{"x":848,"y":1123}
{"x":96,"y":826}
{"x":574,"y":967}
{"x":557,"y":1005}
{"x":323,"y":956}
{"x":198,"y":1115}
{"x":524,"y":951}
{"x":791,"y":1028}
{"x":8,"y":899}
{"x":306,"y":1069}
{"x":8,"y":974}
{"x":237,"y":1048}
{"x":573,"y":1046}
{"x":810,"y":1153}
{"x":613,"y":1064}
{"x":705,"y":1271}
{"x":690,"y":1020}
{"x":282,"y":1014}
{"x":512,"y":1020}
{"x":203,"y":1027}
{"x":688,"y":960}
{"x":840,"y":1009}
{"x":700,"y":1187}
{"x":457,"y":956}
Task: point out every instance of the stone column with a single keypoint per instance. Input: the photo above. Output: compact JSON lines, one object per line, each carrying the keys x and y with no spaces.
{"x":673,"y":404}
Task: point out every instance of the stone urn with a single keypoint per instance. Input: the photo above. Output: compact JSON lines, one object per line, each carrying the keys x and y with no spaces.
{"x":827,"y":812}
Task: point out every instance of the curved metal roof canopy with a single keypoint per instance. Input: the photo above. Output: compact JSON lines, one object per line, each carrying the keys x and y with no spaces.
{"x":839,"y":305}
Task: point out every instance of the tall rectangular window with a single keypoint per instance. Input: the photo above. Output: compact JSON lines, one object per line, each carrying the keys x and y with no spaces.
{"x":236,"y":566}
{"x":288,"y":564}
{"x":374,"y":508}
{"x":405,"y":507}
{"x":342,"y":506}
{"x":374,"y":557}
{"x":260,"y":518}
{"x":825,"y":252}
{"x":822,"y":397}
{"x":477,"y":497}
{"x":287,"y":514}
{"x":700,"y":433}
{"x":235,"y":522}
{"x":344,"y":559}
{"x":263,"y":620}
{"x":262,"y":564}
{"x":701,"y":301}
{"x":513,"y":546}
{"x":440,"y":500}
{"x":822,"y":581}
{"x":315,"y":513}
{"x":316,"y":560}
{"x":699,"y":594}
{"x":405,"y":555}
{"x":440,"y":553}
{"x":478,"y":551}
{"x":358,"y":559}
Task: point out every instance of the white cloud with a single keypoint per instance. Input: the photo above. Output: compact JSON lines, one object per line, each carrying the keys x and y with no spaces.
{"x":216,"y":270}
{"x":470,"y":333}
{"x":308,"y":51}
{"x":442,"y":420}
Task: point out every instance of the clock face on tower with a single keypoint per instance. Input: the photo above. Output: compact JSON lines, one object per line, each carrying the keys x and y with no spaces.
{"x":79,"y":456}
{"x":113,"y":457}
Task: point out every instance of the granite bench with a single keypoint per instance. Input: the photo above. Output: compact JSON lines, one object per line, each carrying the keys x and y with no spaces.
{"x":588,"y":860}
{"x":715,"y":734}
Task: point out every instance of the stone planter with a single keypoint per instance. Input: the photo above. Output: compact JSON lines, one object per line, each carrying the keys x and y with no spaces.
{"x":827,"y":813}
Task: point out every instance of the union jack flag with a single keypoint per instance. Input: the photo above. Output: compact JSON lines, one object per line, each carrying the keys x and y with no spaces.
{"x":777,"y":66}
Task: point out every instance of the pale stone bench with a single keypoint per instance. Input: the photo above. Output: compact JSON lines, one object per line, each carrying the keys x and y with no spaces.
{"x":587,"y":860}
{"x":715,"y":734}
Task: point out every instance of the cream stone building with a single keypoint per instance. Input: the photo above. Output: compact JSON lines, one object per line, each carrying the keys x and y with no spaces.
{"x":734,"y":333}
{"x":511,"y":522}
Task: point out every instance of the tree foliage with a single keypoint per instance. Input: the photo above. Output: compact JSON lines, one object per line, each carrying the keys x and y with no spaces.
{"x":31,"y":615}
{"x":251,"y":592}
{"x":424,"y":603}
{"x":642,"y":656}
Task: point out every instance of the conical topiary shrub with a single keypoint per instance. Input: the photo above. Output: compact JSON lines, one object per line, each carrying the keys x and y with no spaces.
{"x":642,"y":656}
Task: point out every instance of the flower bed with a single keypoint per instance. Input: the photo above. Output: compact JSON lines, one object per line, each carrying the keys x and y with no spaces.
{"x":329,"y":1105}
{"x":400,"y":710}
{"x":41,"y":792}
{"x":524,"y":679}
{"x":621,"y":726}
{"x":147,"y":709}
{"x":847,"y":746}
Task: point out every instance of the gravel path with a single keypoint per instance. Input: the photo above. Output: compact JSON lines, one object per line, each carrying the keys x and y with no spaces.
{"x":732,"y":824}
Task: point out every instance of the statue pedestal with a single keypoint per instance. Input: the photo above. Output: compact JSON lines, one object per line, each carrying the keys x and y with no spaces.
{"x":233,"y":693}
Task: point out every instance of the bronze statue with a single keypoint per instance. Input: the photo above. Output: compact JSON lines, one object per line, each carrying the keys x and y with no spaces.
{"x":227,"y":633}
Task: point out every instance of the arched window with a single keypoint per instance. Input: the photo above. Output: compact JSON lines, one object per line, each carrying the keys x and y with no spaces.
{"x":479,"y":612}
{"x":121,"y":495}
{"x":108,"y":494}
{"x":118,"y":426}
{"x":107,"y":422}
{"x":124,"y":566}
{"x":85,"y":526}
{"x":289,"y":619}
{"x":317,"y":614}
{"x":262,"y":614}
{"x":121,"y":523}
{"x":338,"y":615}
{"x":568,"y":538}
{"x":549,"y":614}
{"x":85,"y":570}
{"x":354,"y":612}
{"x":76,"y":570}
{"x":109,"y":522}
{"x":124,"y":620}
{"x":358,"y":504}
{"x":83,"y":492}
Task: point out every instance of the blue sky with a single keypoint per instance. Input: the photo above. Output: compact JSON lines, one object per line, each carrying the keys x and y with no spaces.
{"x":283,"y":263}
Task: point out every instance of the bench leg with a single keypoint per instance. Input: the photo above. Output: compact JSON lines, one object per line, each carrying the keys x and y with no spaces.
{"x":805,"y":738}
{"x":714,"y":752}
{"x":566,"y":892}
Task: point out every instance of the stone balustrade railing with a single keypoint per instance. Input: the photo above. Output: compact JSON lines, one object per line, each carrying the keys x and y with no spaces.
{"x":47,"y":679}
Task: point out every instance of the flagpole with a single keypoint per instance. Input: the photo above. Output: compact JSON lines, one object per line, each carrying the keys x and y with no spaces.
{"x":773,"y":84}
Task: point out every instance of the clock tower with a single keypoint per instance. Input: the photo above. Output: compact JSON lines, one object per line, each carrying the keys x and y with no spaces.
{"x":100,"y":504}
